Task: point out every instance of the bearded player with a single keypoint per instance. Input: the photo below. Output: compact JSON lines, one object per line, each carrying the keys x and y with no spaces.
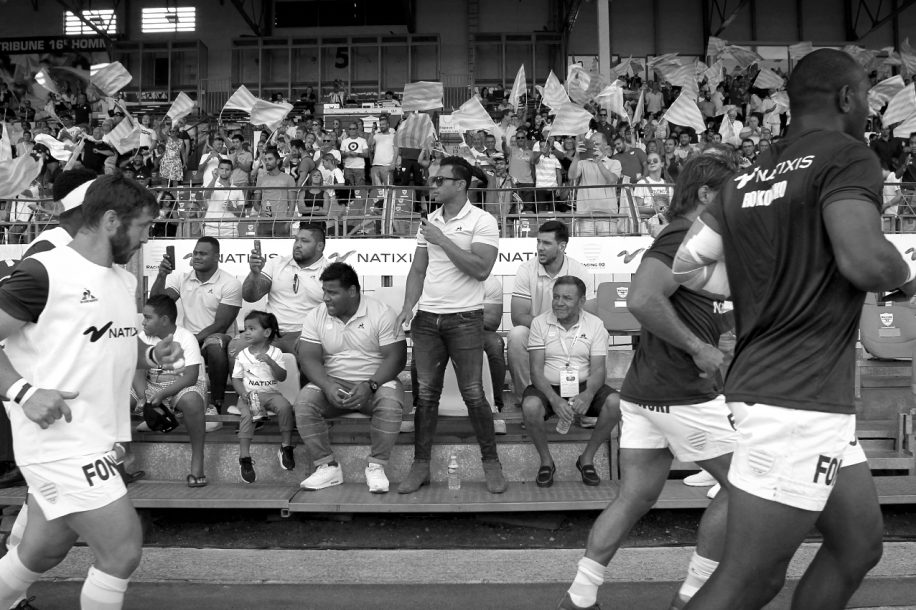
{"x":801,"y":241}
{"x":69,"y":321}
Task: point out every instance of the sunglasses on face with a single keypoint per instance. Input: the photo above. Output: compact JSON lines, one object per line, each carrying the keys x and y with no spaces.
{"x":439,"y":180}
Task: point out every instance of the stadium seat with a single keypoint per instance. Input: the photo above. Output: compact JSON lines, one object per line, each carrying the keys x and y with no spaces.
{"x":888,"y":328}
{"x":612,"y":308}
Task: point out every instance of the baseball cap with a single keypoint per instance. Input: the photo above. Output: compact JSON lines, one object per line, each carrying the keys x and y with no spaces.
{"x":159,"y":418}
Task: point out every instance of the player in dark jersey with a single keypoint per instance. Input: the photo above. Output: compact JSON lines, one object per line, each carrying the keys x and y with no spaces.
{"x":801,"y":240}
{"x":671,"y":403}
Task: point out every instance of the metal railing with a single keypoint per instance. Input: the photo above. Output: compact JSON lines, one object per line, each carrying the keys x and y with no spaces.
{"x":395,"y":211}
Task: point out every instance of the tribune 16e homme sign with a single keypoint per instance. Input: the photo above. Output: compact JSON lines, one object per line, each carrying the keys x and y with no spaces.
{"x":51,"y":44}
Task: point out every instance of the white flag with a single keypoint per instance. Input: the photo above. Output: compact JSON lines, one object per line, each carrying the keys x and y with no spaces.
{"x":519,"y":88}
{"x":901,"y":106}
{"x":685,"y":112}
{"x":553,"y":95}
{"x":180,"y":108}
{"x":906,"y":128}
{"x":884,"y":92}
{"x":6,"y":143}
{"x":58,"y":149}
{"x":570,"y":120}
{"x":269,"y":113}
{"x":125,"y":137}
{"x":242,"y":99}
{"x":767,"y":79}
{"x":472,"y":115}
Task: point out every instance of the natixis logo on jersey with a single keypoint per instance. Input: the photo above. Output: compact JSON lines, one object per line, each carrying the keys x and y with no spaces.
{"x":110,"y":332}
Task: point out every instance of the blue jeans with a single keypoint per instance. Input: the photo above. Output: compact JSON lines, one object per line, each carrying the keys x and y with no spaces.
{"x":436,"y":339}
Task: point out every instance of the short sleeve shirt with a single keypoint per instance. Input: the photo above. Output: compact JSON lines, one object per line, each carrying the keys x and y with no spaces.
{"x":354,"y":145}
{"x":199,"y":300}
{"x":661,"y":374}
{"x":575,"y":346}
{"x":192,"y":356}
{"x":493,"y":291}
{"x":796,"y":315}
{"x":352,"y":349}
{"x":294,"y":290}
{"x":257,"y":376}
{"x":533,"y":283}
{"x":446,"y":288}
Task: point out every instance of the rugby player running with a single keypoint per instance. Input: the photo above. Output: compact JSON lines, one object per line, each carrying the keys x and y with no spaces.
{"x":800,"y":236}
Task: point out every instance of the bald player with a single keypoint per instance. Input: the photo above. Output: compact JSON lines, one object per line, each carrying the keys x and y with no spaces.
{"x":801,"y":239}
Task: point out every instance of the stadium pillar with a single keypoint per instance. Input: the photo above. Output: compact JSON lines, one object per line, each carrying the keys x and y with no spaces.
{"x":604,"y":37}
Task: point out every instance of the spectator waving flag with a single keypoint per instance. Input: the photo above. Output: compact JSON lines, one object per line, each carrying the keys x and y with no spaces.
{"x":685,"y":112}
{"x":553,"y":95}
{"x":422,"y":95}
{"x":685,"y":77}
{"x":415,"y":131}
{"x":17,"y":175}
{"x":612,"y":99}
{"x":181,"y":107}
{"x":570,"y":120}
{"x":242,"y":99}
{"x":269,"y":113}
{"x":901,"y":106}
{"x":125,"y":137}
{"x":519,"y":88}
{"x":767,"y":79}
{"x":472,"y":115}
{"x":884,"y":92}
{"x":800,"y":49}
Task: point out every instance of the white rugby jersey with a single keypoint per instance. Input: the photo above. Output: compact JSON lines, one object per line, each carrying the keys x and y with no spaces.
{"x":257,"y":376}
{"x":81,"y":336}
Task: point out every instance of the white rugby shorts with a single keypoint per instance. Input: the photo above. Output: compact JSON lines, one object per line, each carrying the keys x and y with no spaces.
{"x":692,"y":433}
{"x":792,"y":456}
{"x":74,"y":485}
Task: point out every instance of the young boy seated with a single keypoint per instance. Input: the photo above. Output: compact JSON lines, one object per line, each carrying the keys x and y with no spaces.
{"x":184,"y":390}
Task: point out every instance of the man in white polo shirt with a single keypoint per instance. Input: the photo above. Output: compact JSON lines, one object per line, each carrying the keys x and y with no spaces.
{"x":211,"y":299}
{"x":533,"y":293}
{"x":352,"y":350}
{"x":568,"y":348}
{"x":456,"y":249}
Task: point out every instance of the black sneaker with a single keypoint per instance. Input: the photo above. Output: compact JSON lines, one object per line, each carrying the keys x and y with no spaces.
{"x":285,"y":455}
{"x":246,"y":470}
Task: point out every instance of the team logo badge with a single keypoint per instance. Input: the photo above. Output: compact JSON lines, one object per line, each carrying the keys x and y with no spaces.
{"x":887,"y":319}
{"x":622,"y":292}
{"x":49,"y":491}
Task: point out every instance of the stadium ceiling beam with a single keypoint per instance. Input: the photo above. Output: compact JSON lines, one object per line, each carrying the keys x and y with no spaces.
{"x":256,"y":26}
{"x":719,"y":9}
{"x":873,"y":14}
{"x":571,"y":14}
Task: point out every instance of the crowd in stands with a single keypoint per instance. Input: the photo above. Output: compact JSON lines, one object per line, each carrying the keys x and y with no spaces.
{"x":312,"y":167}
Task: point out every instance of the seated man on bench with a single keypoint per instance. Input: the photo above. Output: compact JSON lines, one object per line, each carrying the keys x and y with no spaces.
{"x":183,"y":390}
{"x":351,"y":350}
{"x":568,"y":349}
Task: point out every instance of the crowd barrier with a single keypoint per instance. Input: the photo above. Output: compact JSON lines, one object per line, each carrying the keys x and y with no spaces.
{"x":395,"y":211}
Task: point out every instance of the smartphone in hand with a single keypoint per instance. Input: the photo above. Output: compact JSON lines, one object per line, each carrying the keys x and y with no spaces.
{"x":257,"y":247}
{"x":170,"y":254}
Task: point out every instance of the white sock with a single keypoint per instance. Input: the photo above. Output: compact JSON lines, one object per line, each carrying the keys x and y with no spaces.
{"x":102,"y":591}
{"x":584,"y":589}
{"x":18,"y":528}
{"x":15,"y":578}
{"x":698,"y":572}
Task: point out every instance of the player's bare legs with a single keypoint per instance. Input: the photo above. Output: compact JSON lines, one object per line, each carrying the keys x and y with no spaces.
{"x":44,"y":543}
{"x":853,"y":528}
{"x":761,"y":538}
{"x":192,"y":406}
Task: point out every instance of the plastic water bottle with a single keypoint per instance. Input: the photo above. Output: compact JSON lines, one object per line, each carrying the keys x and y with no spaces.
{"x":563,"y":424}
{"x":454,"y":479}
{"x":254,"y":405}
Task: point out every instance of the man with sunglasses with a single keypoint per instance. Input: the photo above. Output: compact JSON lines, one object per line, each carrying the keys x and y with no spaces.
{"x":456,"y":249}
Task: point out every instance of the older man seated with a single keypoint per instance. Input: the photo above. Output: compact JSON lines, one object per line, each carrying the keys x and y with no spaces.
{"x":568,"y":347}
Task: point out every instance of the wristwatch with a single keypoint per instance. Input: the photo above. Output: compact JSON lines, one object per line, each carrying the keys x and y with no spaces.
{"x":373,"y":385}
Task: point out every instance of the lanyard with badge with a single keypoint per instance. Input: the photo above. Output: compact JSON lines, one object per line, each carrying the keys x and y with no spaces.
{"x":569,"y":375}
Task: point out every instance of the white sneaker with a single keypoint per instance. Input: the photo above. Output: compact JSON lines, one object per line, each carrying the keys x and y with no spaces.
{"x":376,"y":479}
{"x":700,"y":479}
{"x":587,"y":422}
{"x":713,"y":491}
{"x":233,"y":410}
{"x":499,"y":426}
{"x":212,"y":426}
{"x":324,"y":476}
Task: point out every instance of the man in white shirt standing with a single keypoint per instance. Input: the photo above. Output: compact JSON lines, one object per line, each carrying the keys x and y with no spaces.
{"x":224,"y":203}
{"x":456,"y":249}
{"x":533,"y":293}
{"x":354,"y":150}
{"x":384,"y":153}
